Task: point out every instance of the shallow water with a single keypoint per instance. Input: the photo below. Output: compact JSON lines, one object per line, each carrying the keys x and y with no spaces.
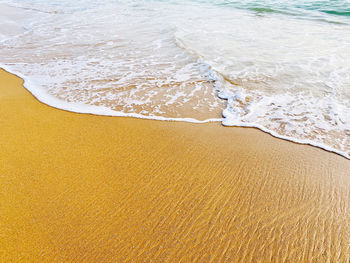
{"x":280,"y":66}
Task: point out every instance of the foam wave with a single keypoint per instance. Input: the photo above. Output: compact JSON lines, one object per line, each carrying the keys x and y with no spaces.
{"x":155,"y":65}
{"x":44,"y":97}
{"x":292,"y":90}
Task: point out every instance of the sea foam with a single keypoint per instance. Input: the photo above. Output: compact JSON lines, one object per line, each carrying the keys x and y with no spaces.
{"x":286,"y":73}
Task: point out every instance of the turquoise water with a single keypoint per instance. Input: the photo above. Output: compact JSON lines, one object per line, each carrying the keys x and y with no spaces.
{"x":280,"y":66}
{"x":334,"y":7}
{"x":296,"y":7}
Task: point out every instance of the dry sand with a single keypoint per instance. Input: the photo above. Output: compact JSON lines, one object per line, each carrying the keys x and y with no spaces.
{"x":83,"y":188}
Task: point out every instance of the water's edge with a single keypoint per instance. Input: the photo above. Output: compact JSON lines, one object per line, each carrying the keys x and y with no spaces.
{"x":51,"y":101}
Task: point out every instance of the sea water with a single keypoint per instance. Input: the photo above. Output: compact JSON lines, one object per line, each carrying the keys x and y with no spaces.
{"x":281,"y":66}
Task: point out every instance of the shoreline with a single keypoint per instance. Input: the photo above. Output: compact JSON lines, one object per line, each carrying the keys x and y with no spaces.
{"x":53,"y":102}
{"x":90,"y":188}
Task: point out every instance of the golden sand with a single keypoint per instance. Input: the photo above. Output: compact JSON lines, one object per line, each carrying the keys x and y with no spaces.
{"x":83,"y":188}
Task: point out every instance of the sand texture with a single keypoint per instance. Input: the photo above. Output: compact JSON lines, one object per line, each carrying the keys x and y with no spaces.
{"x":84,"y":188}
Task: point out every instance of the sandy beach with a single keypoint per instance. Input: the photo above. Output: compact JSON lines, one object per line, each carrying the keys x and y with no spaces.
{"x":84,"y":188}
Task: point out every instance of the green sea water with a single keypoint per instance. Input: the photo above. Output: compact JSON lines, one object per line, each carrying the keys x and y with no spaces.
{"x":296,"y":7}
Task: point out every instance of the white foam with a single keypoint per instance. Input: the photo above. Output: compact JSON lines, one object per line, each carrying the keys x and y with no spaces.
{"x":285,"y":76}
{"x":291,"y":83}
{"x":42,"y":95}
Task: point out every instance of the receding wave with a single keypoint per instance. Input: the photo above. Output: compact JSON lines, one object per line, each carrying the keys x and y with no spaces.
{"x":194,"y":61}
{"x":290,"y":103}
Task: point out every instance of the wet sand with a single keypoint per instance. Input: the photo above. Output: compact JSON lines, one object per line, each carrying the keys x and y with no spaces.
{"x":84,"y":188}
